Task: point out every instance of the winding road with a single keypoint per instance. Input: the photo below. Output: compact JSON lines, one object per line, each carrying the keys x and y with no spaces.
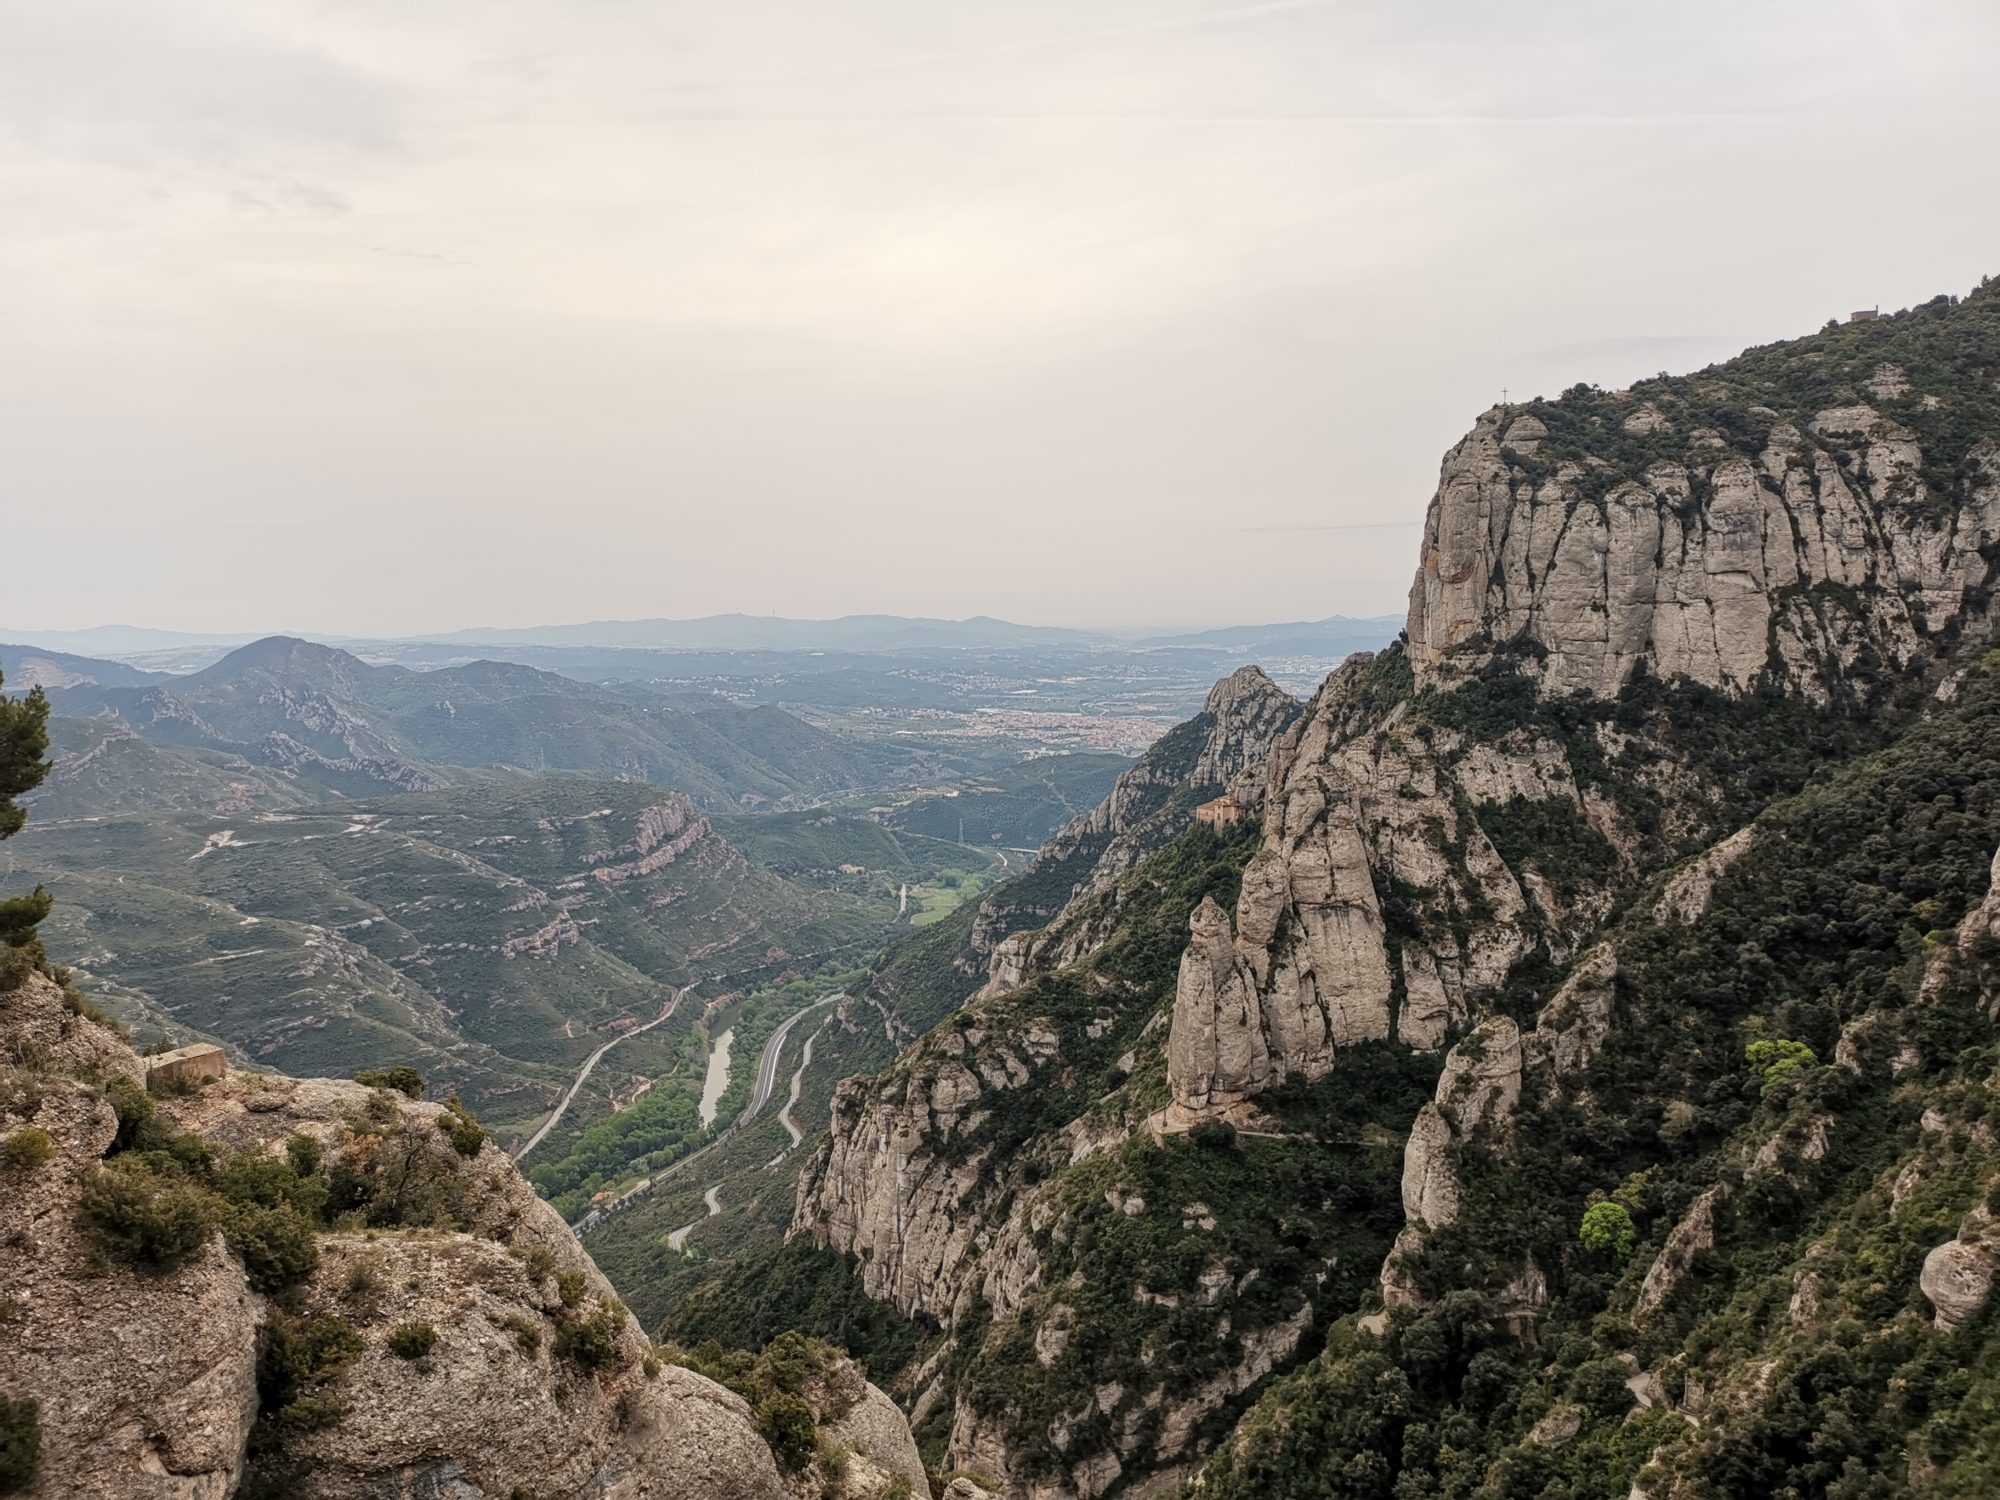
{"x":798,"y":1077}
{"x":767,"y":1061}
{"x":760,"y":1095}
{"x":712,"y":1202}
{"x":590,"y":1063}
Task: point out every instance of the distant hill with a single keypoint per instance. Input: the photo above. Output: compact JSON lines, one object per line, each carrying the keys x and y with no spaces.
{"x":330,"y":723}
{"x":34,"y":666}
{"x":767,"y":633}
{"x":128,"y":640}
{"x":489,"y":934}
{"x":1335,"y":636}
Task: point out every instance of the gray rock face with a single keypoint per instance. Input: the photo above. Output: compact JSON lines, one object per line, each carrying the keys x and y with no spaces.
{"x":147,"y":1380}
{"x":1982,"y":923}
{"x":1217,"y":1054}
{"x":1695,"y":1231}
{"x":1958,"y":1275}
{"x":1575,"y":1022}
{"x":1477,"y":1091}
{"x":1686,"y":895}
{"x":1309,"y":969}
{"x":1713,"y":565}
{"x":1958,"y":1279}
{"x":889,"y":1186}
{"x":1223,"y":750}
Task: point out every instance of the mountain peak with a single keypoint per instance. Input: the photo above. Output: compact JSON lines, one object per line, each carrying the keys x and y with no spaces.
{"x":292,"y":656}
{"x":1799,"y":515}
{"x":1248,"y":684}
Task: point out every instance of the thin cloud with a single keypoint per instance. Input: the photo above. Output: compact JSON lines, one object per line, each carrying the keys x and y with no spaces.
{"x":448,"y":260}
{"x":1336,"y":526}
{"x":1425,"y":121}
{"x":1014,"y":49}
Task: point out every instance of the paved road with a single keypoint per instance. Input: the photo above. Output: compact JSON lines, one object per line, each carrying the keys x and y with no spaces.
{"x":767,"y":1075}
{"x":666,"y":1013}
{"x":798,"y":1077}
{"x":714,"y":1206}
{"x":767,"y":1061}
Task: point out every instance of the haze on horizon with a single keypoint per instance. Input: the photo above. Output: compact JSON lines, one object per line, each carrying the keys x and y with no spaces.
{"x":364,"y":318}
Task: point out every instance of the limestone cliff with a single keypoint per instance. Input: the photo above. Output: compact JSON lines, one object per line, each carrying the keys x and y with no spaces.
{"x":1751,"y":531}
{"x":425,"y":1325}
{"x":1641,"y":619}
{"x":1377,"y":905}
{"x":1798,"y":550}
{"x":1221,"y":750}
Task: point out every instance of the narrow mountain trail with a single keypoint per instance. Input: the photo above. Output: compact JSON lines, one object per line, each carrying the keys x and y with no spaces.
{"x":589,"y":1066}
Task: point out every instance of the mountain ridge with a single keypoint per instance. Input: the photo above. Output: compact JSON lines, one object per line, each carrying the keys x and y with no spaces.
{"x":1404,"y":965}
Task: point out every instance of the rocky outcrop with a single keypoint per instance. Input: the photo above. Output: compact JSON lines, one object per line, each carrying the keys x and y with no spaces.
{"x":1688,"y":891}
{"x":1980,"y":926}
{"x":1796,"y":555}
{"x":1217,"y":1053}
{"x":1445,"y":832}
{"x":146,"y":1379}
{"x":1313,"y":966}
{"x":1477,"y":1091}
{"x":1571,"y":1028}
{"x":1694,"y":1232}
{"x":666,"y":831}
{"x":1958,"y":1275}
{"x":880,"y":1189}
{"x":1020,"y":929}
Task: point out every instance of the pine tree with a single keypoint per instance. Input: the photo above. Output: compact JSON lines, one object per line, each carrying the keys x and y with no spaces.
{"x":24,"y":744}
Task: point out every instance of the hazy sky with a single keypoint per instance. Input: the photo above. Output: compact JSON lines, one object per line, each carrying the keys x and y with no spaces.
{"x":394,"y":315}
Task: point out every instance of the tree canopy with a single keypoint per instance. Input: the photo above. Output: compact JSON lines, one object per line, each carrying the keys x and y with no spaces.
{"x":24,"y":764}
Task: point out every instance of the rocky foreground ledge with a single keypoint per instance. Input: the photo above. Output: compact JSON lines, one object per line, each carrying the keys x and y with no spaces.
{"x":258,"y":1285}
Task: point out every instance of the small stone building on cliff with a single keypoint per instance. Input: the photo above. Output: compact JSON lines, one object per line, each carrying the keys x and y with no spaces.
{"x":1221,"y":813}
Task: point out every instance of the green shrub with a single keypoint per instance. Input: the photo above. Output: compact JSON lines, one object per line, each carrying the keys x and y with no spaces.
{"x":1607,"y":1229}
{"x":20,"y":1443}
{"x":386,"y":1185}
{"x":834,"y":1460}
{"x":305,"y":1154}
{"x":295,"y":1361}
{"x":364,"y":1286}
{"x":254,"y":1178}
{"x":527,"y":1333}
{"x":277,"y":1245}
{"x":1218,"y":1134}
{"x":787,"y":1423}
{"x":145,"y":1215}
{"x":402,"y":1080}
{"x":27,"y":1148}
{"x":16,"y":964}
{"x":591,"y":1343}
{"x":135,"y":1110}
{"x":1599,"y":1387}
{"x":76,"y":1005}
{"x":460,"y":1128}
{"x":412,"y":1340}
{"x":570,"y":1286}
{"x":1775,"y":1062}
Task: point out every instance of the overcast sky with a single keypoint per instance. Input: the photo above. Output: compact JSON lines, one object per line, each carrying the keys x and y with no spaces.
{"x":386,"y":316}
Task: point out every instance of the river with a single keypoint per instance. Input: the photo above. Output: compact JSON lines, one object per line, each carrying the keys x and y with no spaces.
{"x":718,"y":1076}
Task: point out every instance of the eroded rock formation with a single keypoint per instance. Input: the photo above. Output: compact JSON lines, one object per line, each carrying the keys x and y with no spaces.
{"x":1221,"y":750}
{"x":1708,"y":563}
{"x":146,"y":1376}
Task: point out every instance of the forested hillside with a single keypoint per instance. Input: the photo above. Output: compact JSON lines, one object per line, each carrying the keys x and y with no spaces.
{"x":1575,"y":1074}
